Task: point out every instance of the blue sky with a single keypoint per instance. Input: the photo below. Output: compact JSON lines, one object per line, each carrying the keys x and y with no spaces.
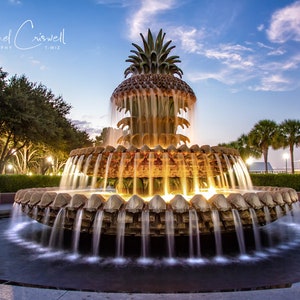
{"x":241,"y":57}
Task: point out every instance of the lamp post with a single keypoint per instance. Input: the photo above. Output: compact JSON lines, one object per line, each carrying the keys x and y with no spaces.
{"x":285,"y":157}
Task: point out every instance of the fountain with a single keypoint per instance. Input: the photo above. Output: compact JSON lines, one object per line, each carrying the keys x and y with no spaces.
{"x":152,"y":188}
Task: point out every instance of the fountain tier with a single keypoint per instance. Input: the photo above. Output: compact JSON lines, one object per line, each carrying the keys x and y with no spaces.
{"x":44,"y":205}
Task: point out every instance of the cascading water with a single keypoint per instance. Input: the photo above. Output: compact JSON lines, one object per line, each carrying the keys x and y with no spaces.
{"x":170,"y":233}
{"x":194,"y":235}
{"x":95,"y":172}
{"x":255,"y":228}
{"x":108,"y":162}
{"x":76,"y":232}
{"x":44,"y":238}
{"x":97,"y":226}
{"x":217,"y":232}
{"x":120,"y":234}
{"x":145,"y":233}
{"x":56,"y":237}
{"x":268,"y":221}
{"x":239,"y":231}
{"x":77,"y":173}
{"x":83,"y":179}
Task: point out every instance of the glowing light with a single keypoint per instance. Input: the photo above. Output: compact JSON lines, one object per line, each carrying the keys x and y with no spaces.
{"x":285,"y":156}
{"x":168,"y":197}
{"x":10,"y":167}
{"x":210,"y":192}
{"x":249,"y":161}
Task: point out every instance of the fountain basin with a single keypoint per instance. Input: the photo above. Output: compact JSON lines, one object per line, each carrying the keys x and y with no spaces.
{"x":43,"y":205}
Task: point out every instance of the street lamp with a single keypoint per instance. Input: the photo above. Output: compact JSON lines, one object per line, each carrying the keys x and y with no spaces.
{"x":285,"y":156}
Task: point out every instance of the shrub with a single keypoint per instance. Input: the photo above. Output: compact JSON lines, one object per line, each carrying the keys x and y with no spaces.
{"x":280,"y":180}
{"x":13,"y":183}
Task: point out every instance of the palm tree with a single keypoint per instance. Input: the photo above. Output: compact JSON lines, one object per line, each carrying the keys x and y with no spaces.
{"x":289,"y":136}
{"x":242,"y":144}
{"x":262,"y":136}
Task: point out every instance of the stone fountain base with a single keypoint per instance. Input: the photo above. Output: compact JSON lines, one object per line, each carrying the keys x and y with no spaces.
{"x":44,"y":204}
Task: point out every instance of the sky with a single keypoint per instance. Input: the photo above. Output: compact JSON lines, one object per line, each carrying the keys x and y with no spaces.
{"x":241,"y":57}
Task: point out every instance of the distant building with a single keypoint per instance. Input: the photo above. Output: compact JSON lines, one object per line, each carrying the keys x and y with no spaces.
{"x":259,"y":167}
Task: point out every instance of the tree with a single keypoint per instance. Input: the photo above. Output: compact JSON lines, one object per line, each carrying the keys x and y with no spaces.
{"x":289,"y":136}
{"x":262,"y":136}
{"x":38,"y":159}
{"x":30,"y":113}
{"x":243,"y":146}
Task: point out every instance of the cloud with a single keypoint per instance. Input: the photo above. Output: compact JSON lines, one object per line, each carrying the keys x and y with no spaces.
{"x":232,"y":55}
{"x":15,"y":2}
{"x":285,"y":24}
{"x":258,"y":66}
{"x":273,"y":83}
{"x":139,"y":21}
{"x":87,"y":127}
{"x":248,"y":68}
{"x":225,"y":75}
{"x":221,"y":76}
{"x":122,"y":3}
{"x":277,"y":52}
{"x":292,"y":63}
{"x":255,"y":66}
{"x":261,"y":27}
{"x":189,"y":38}
{"x":37,"y":63}
{"x":262,"y":45}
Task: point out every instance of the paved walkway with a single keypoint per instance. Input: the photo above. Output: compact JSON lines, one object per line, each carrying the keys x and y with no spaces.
{"x":9,"y":292}
{"x":5,"y":210}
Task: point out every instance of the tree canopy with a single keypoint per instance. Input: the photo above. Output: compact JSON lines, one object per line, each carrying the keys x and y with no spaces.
{"x":266,"y":134}
{"x":31,"y":113}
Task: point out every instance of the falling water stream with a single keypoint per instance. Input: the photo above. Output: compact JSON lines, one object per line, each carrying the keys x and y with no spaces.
{"x":44,"y":238}
{"x":95,"y":173}
{"x":268,"y":221}
{"x":76,"y":231}
{"x":97,"y":226}
{"x":108,"y":162}
{"x":194,"y":235}
{"x":217,"y":232}
{"x":145,"y":233}
{"x":239,"y":231}
{"x":170,"y":233}
{"x":120,"y":234}
{"x":56,"y":237}
{"x":255,"y":228}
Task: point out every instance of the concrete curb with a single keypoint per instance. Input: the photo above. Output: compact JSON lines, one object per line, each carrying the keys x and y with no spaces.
{"x":28,"y":293}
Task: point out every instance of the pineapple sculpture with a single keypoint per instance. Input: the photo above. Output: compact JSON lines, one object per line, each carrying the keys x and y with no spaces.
{"x":153,"y":100}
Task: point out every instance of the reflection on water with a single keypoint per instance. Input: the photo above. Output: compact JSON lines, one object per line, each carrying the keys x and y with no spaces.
{"x":276,"y":265}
